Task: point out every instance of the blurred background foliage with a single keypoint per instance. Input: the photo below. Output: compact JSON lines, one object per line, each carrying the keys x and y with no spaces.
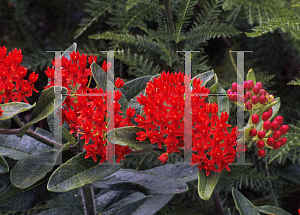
{"x":37,"y":26}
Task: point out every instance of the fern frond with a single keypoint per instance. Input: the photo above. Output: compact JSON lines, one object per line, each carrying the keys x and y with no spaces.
{"x":210,"y":12}
{"x":294,"y":82}
{"x":296,"y":5}
{"x":186,"y":11}
{"x":38,"y":61}
{"x":131,"y":3}
{"x":273,"y":24}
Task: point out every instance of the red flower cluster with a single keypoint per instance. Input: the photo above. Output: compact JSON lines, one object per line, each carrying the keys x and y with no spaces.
{"x":87,"y":114}
{"x":164,"y":123}
{"x":12,"y":84}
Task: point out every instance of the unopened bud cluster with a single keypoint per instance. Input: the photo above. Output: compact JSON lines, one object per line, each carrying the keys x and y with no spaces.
{"x":255,"y":98}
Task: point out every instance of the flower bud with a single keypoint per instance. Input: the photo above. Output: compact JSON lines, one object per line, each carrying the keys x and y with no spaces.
{"x":277,"y":134}
{"x":262,"y":100}
{"x":274,"y":125}
{"x":240,"y":88}
{"x":246,"y":85}
{"x":254,"y":100}
{"x":261,"y":153}
{"x":277,"y":145}
{"x":259,"y":85}
{"x":251,"y":84}
{"x":284,"y":129}
{"x":267,"y":125}
{"x":260,"y":144}
{"x":256,"y":90}
{"x":253,"y":132}
{"x":248,"y":95}
{"x":229,"y":91}
{"x":263,"y":92}
{"x":271,"y":141}
{"x":265,"y":116}
{"x":234,"y":86}
{"x":279,"y":119}
{"x":255,"y":119}
{"x":248,"y":106}
{"x":282,"y":140}
{"x":261,"y":134}
{"x":270,"y":111}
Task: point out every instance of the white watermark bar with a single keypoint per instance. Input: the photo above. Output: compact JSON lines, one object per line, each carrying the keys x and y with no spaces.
{"x":188,"y":126}
{"x":240,"y":107}
{"x":57,"y":105}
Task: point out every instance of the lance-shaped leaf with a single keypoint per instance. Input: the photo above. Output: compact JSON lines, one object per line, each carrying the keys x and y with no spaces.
{"x":206,"y":184}
{"x":244,"y":206}
{"x":77,"y":172}
{"x":133,"y":88}
{"x":5,"y":124}
{"x":251,"y":76}
{"x":3,"y":165}
{"x":267,"y":209}
{"x":142,"y":181}
{"x":221,"y":100}
{"x":51,"y":122}
{"x":13,"y":108}
{"x":44,"y":107}
{"x":67,"y":136}
{"x":18,"y":148}
{"x":100,"y":77}
{"x":126,"y":136}
{"x":275,"y":105}
{"x":205,"y":77}
{"x":69,"y":50}
{"x":33,"y":168}
{"x":61,"y":210}
{"x":16,"y":199}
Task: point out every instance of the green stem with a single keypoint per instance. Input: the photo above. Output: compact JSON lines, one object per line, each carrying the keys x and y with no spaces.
{"x":17,"y":119}
{"x":218,"y":203}
{"x":88,"y":201}
{"x":33,"y":135}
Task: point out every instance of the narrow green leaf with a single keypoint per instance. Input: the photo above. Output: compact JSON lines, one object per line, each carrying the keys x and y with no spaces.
{"x":62,"y":211}
{"x":44,"y":107}
{"x":251,"y":76}
{"x":100,"y":77}
{"x":66,"y":134}
{"x":126,"y":136}
{"x":205,"y":77}
{"x":135,"y":87}
{"x":131,"y":3}
{"x":221,"y":100}
{"x":16,"y":199}
{"x":142,"y":181}
{"x":244,"y":206}
{"x":33,"y":168}
{"x":267,"y":209}
{"x":69,"y":50}
{"x":3,"y":165}
{"x":13,"y":108}
{"x":206,"y":184}
{"x":77,"y":172}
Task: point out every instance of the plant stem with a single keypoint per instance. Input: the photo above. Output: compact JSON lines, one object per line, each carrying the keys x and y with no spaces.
{"x":18,"y":121}
{"x":88,"y":200}
{"x":33,"y":135}
{"x":218,"y":203}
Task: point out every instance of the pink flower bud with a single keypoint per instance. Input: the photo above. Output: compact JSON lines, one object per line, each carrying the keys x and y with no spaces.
{"x":261,"y":134}
{"x":262,"y":100}
{"x":283,"y":140}
{"x":267,"y":125}
{"x":277,"y":134}
{"x":279,"y":119}
{"x":248,"y":105}
{"x":251,"y":84}
{"x":277,"y":145}
{"x":259,"y":85}
{"x":255,"y":118}
{"x":256,"y":90}
{"x":271,"y":141}
{"x":263,"y":92}
{"x":248,"y":95}
{"x":284,"y":129}
{"x":254,"y":100}
{"x":234,"y":86}
{"x":260,"y":144}
{"x":274,"y":125}
{"x":253,"y":132}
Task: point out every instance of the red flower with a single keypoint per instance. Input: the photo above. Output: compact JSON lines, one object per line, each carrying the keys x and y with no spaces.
{"x":119,"y":83}
{"x":164,"y":122}
{"x":106,"y":66}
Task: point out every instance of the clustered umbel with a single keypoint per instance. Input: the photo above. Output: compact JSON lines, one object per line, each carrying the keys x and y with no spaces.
{"x":257,"y":98}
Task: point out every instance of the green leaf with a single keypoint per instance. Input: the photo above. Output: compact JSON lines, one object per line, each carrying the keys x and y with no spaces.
{"x":133,"y":88}
{"x":66,"y":134}
{"x":44,"y":107}
{"x":251,"y":76}
{"x":222,"y":101}
{"x":205,"y":77}
{"x":206,"y":184}
{"x":100,"y":77}
{"x":126,"y":136}
{"x":3,"y":165}
{"x":267,"y":209}
{"x":5,"y":124}
{"x":275,"y":105}
{"x":131,"y":3}
{"x":244,"y":206}
{"x":142,"y":181}
{"x":62,"y":211}
{"x":69,"y":50}
{"x":18,"y":148}
{"x":13,"y":108}
{"x":77,"y":172}
{"x":16,"y":199}
{"x":51,"y":122}
{"x":33,"y":168}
